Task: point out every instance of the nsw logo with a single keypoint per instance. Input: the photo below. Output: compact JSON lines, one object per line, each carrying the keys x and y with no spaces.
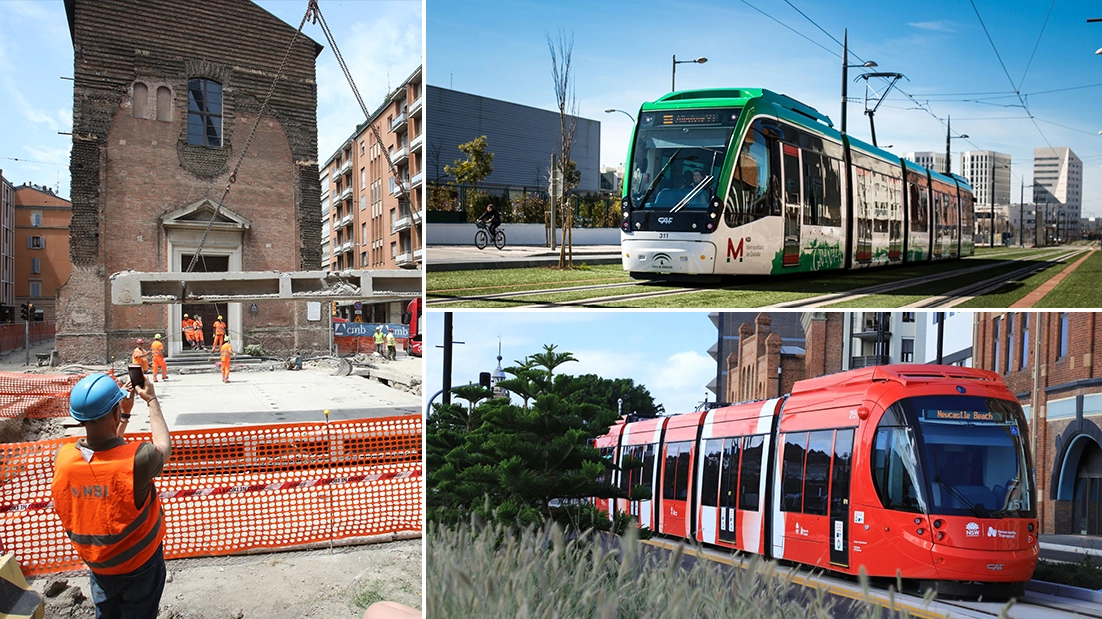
{"x":972,"y":529}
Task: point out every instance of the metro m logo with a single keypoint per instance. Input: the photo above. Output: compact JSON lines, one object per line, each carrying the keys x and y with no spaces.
{"x":732,"y":251}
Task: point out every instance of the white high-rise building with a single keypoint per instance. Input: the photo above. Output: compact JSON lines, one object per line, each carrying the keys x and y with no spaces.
{"x":928,"y":159}
{"x":1057,"y":190}
{"x":988,"y":171}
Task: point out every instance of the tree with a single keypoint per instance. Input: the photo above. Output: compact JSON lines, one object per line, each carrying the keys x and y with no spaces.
{"x":520,"y":465}
{"x":476,"y":167}
{"x":606,"y":393}
{"x":562,"y":51}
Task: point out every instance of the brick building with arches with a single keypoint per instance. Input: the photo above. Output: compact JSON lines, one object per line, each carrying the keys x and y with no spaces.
{"x":1048,"y":360}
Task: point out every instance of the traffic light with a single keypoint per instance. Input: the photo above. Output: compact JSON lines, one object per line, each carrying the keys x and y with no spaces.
{"x":23,"y":311}
{"x":30,"y":311}
{"x":484,"y":380}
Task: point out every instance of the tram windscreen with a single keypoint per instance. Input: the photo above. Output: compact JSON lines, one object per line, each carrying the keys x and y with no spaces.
{"x":677,"y":158}
{"x":973,"y":456}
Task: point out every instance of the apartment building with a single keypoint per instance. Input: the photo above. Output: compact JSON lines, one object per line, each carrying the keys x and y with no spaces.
{"x":7,"y":250}
{"x":42,"y":262}
{"x":1058,"y":192}
{"x":372,"y":201}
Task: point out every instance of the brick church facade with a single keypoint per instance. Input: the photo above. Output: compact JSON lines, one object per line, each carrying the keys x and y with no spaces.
{"x":165,"y":95}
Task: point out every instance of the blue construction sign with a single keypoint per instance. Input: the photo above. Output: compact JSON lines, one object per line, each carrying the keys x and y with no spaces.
{"x":367,"y":329}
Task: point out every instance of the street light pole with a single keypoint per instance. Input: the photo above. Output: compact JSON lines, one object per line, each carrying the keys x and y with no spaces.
{"x":845,"y":75}
{"x":611,"y":110}
{"x":673,"y":69}
{"x":948,"y":132}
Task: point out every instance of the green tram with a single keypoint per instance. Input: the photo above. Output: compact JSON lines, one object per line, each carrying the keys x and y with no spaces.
{"x":748,"y":181}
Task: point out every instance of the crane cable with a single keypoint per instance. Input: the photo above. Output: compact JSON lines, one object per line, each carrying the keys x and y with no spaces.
{"x":319,"y":18}
{"x":312,"y":8}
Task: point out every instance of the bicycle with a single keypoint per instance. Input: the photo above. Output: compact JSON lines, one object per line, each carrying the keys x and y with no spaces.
{"x":482,"y":236}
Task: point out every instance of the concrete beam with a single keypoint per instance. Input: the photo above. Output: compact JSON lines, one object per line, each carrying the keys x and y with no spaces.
{"x":370,"y":286}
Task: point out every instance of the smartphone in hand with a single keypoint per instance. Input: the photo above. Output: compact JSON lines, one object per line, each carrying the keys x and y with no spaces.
{"x":137,"y":375}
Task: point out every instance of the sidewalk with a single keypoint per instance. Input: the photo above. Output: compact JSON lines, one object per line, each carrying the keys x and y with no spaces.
{"x":470,"y":258}
{"x":1070,"y":548}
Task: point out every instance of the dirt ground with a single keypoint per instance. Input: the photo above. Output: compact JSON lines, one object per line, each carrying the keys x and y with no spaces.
{"x":335,"y":583}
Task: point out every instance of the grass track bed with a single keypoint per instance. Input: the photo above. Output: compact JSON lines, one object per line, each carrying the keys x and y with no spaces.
{"x":1081,"y":288}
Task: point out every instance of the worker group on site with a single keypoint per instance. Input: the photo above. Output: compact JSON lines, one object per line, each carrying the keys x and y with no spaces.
{"x":193,"y":335}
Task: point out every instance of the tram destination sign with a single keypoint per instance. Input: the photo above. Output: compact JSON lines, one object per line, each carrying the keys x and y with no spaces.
{"x":963,"y":416}
{"x":692,"y":117}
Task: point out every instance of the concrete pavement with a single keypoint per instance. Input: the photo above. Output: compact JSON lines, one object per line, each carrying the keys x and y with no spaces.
{"x":469,"y":257}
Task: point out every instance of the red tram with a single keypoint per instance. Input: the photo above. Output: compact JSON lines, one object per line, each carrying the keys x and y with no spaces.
{"x":915,"y":471}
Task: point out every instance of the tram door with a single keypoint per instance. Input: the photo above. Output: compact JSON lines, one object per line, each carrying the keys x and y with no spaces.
{"x":728,"y":489}
{"x":839,"y":497}
{"x":792,"y":192}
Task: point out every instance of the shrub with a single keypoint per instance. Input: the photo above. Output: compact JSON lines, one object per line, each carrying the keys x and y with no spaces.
{"x":254,"y":350}
{"x":1086,"y":574}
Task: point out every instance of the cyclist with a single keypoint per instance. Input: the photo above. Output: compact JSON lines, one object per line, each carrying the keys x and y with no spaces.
{"x":492,"y":219}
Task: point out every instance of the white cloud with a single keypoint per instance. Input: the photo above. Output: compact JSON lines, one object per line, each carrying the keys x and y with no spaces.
{"x":937,"y":26}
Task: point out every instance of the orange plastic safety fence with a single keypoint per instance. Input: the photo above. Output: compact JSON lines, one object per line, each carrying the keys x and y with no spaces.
{"x":36,"y":395}
{"x":227,"y":491}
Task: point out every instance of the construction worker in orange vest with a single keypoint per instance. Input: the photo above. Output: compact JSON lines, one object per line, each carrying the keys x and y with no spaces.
{"x":157,"y":351}
{"x":219,"y":333}
{"x":140,"y":356}
{"x":197,"y":330}
{"x":188,"y":325}
{"x":227,"y":353}
{"x":104,"y":495}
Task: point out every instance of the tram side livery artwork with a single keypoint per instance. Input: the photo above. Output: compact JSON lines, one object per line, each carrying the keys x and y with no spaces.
{"x":748,"y":181}
{"x":915,"y":471}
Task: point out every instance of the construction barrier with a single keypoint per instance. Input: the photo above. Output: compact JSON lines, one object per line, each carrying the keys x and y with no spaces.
{"x":13,"y":336}
{"x":232,"y":490}
{"x":35,"y":395}
{"x":17,"y":599}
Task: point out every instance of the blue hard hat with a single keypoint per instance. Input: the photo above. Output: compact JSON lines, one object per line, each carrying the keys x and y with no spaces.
{"x":94,"y":396}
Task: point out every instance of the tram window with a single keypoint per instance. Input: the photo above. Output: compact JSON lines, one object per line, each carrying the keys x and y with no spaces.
{"x":710,"y":486}
{"x":916,"y":201}
{"x":606,"y":455}
{"x":792,"y":472}
{"x":791,"y":175}
{"x":816,"y":471}
{"x":813,"y":189}
{"x":893,"y":469}
{"x":840,"y":472}
{"x":625,"y":471}
{"x":832,"y":192}
{"x":669,"y":471}
{"x":682,"y":488}
{"x":754,"y":186}
{"x":647,"y":478}
{"x":750,"y":474}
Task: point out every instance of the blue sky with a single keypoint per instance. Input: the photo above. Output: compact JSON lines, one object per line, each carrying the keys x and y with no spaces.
{"x":665,"y":351}
{"x":623,"y":51}
{"x":380,"y":40}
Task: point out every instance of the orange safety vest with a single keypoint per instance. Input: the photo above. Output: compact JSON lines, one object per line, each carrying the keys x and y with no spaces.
{"x":138,"y":358}
{"x":157,"y":348}
{"x":219,"y":327}
{"x":95,"y":502}
{"x":227,"y":350}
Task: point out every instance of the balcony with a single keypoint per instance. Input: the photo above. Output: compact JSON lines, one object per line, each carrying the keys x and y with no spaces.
{"x":405,"y":260}
{"x":347,"y":219}
{"x":415,"y":106}
{"x":400,"y":156}
{"x":419,"y":255}
{"x":346,"y":194}
{"x":417,"y":179}
{"x":870,"y":360}
{"x":418,"y":215}
{"x":402,"y":223}
{"x":415,"y":142}
{"x":347,"y":246}
{"x":399,"y":123}
{"x":398,"y":187}
{"x":346,"y":167}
